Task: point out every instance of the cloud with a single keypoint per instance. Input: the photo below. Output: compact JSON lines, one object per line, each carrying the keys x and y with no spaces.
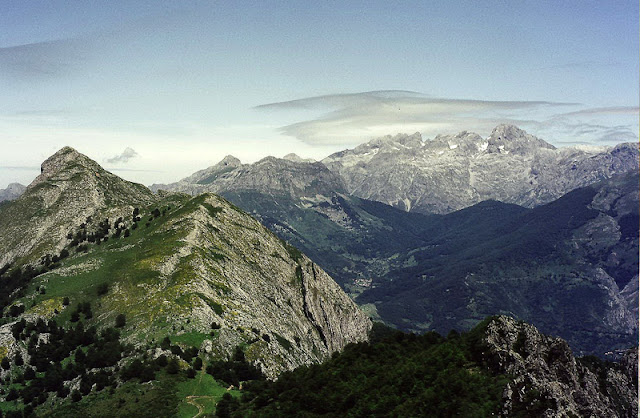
{"x":126,"y":155}
{"x":602,"y":111}
{"x":615,"y":136}
{"x":354,"y":117}
{"x":595,"y":126}
{"x":43,"y":60}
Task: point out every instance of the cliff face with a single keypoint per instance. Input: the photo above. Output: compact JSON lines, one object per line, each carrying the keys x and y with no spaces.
{"x":549,"y":382}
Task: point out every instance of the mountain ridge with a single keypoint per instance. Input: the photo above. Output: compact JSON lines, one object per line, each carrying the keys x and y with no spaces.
{"x":171,"y":264}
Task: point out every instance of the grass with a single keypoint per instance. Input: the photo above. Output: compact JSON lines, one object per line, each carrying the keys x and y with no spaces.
{"x":192,"y":339}
{"x":206,"y":392}
{"x":129,"y":270}
{"x":283,"y":341}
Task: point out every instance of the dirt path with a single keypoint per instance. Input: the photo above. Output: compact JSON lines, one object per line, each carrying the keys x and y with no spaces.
{"x":193,"y":400}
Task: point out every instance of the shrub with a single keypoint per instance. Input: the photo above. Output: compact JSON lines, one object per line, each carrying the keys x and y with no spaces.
{"x":173,"y":367}
{"x":76,"y":396}
{"x":197,"y":364}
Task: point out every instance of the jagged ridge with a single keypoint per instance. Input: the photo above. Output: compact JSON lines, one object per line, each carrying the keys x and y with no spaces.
{"x":452,"y":172}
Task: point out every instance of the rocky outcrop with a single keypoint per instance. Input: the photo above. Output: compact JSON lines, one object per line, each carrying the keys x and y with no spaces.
{"x":549,"y":382}
{"x":451,"y":172}
{"x":12,"y":192}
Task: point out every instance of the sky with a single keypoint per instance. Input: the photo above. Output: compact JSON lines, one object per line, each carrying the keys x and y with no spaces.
{"x":156,"y":90}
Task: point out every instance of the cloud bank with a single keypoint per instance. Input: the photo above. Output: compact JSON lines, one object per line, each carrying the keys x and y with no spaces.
{"x":347,"y":119}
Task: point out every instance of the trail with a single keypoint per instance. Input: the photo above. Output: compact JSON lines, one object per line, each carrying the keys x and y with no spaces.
{"x":192,"y":399}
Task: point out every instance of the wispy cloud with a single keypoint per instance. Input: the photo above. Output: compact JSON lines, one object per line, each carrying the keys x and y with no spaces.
{"x":591,"y":126}
{"x":354,"y":117}
{"x":600,"y":111}
{"x":43,"y":60}
{"x":127,"y":154}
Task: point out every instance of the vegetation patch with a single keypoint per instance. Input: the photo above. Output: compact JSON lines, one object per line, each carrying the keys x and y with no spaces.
{"x":191,"y":339}
{"x":201,"y":394}
{"x":286,"y":344}
{"x":47,"y":308}
{"x":395,"y":374}
{"x":213,"y":210}
{"x":294,"y":253}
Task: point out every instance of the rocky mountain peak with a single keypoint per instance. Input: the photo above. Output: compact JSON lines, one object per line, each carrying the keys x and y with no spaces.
{"x":465,"y":141}
{"x":510,"y":138}
{"x":270,"y":175}
{"x":66,"y":160}
{"x":451,"y":172}
{"x":13,"y":191}
{"x":409,"y":141}
{"x":229,"y":161}
{"x":70,"y":188}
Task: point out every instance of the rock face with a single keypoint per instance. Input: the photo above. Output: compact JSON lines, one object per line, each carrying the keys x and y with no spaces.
{"x":452,"y":172}
{"x":549,"y":382}
{"x":70,"y":188}
{"x":275,"y":176}
{"x":187,"y":263}
{"x":12,"y":192}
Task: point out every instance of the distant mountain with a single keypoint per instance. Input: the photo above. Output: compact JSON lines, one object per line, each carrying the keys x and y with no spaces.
{"x":570,"y":267}
{"x":274,"y":176}
{"x":452,"y":172}
{"x":198,"y":272}
{"x":12,"y":192}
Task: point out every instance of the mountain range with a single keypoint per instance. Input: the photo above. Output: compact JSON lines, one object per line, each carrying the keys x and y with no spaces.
{"x":184,"y":292}
{"x":564,"y":258}
{"x":451,"y":172}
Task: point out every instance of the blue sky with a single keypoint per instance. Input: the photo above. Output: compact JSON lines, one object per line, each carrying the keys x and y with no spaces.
{"x":182,"y":84}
